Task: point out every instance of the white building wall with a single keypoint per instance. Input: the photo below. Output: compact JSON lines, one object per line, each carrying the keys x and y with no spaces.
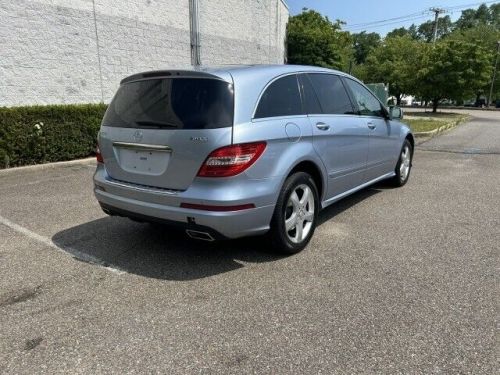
{"x":77,"y":51}
{"x":242,"y":32}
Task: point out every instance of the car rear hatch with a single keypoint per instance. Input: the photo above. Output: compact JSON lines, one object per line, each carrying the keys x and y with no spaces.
{"x":161,"y":126}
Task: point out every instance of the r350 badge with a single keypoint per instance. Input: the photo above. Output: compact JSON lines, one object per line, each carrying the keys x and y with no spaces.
{"x":199,"y":139}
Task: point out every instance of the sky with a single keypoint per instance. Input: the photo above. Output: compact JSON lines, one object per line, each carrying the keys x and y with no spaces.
{"x":355,"y":12}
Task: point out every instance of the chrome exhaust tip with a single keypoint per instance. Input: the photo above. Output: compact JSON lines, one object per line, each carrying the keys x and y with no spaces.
{"x":197,"y":235}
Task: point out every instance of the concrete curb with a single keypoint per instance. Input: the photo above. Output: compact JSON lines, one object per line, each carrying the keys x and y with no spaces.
{"x":441,"y":129}
{"x":47,"y":165}
{"x":443,"y":109}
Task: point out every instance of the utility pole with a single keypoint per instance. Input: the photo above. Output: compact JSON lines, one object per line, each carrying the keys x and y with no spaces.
{"x":437,"y":12}
{"x":194,"y":26}
{"x":351,"y":61}
{"x":494,"y":75}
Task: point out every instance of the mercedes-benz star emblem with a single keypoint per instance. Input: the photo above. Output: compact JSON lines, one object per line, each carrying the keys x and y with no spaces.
{"x":137,"y":136}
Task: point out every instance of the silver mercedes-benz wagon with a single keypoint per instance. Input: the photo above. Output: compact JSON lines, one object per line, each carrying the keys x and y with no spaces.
{"x":248,"y":150}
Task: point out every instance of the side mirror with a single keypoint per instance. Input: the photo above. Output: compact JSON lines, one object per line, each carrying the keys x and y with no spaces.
{"x":395,"y":112}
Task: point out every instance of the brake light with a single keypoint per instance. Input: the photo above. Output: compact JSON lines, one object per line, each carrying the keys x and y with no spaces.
{"x":98,"y":155}
{"x":231,"y":160}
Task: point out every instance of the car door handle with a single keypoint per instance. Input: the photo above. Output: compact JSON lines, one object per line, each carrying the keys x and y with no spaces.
{"x":371,"y":125}
{"x":322,"y":126}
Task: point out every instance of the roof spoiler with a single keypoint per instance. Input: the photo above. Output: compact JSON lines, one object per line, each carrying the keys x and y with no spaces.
{"x":168,"y":74}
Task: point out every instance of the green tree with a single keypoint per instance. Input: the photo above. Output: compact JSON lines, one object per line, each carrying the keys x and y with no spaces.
{"x":426,"y":29}
{"x":395,"y":62}
{"x":495,"y":15}
{"x":485,"y":36}
{"x":314,"y":40}
{"x":483,"y":15}
{"x":360,"y":71}
{"x":452,"y":69}
{"x":402,"y":31}
{"x":363,"y":43}
{"x":467,"y":19}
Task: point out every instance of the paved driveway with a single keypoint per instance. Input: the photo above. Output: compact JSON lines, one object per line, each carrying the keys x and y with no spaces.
{"x":394,"y":281}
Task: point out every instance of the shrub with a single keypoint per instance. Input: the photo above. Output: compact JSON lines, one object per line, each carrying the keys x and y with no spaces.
{"x":41,"y":134}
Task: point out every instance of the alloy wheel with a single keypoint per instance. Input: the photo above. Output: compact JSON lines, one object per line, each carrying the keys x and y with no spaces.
{"x":404,"y":168}
{"x":299,"y":213}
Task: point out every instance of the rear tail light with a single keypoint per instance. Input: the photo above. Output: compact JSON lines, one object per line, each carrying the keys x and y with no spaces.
{"x":231,"y":160}
{"x":98,"y":155}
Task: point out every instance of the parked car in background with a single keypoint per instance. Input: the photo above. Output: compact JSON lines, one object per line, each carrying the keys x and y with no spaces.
{"x":243,"y":151}
{"x":480,"y":103}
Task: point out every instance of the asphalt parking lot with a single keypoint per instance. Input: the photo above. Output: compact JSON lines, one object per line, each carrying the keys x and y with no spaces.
{"x":394,"y":280}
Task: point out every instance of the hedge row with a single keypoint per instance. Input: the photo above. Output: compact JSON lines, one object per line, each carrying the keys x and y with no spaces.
{"x":41,"y":134}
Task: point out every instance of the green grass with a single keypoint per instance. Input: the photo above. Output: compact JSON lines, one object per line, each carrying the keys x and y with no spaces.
{"x":426,"y":121}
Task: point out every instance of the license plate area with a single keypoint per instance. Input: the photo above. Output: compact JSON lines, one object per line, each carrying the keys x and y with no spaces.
{"x":143,"y":159}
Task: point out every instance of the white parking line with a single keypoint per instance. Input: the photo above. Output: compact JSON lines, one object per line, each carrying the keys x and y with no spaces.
{"x":36,"y":182}
{"x":48,"y":242}
{"x":87,"y":161}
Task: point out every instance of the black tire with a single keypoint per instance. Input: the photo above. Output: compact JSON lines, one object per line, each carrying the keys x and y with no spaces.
{"x":279,"y":237}
{"x":400,"y":179}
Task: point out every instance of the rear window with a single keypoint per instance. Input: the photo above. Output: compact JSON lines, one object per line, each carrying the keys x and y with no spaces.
{"x":281,"y":98}
{"x":172,"y":103}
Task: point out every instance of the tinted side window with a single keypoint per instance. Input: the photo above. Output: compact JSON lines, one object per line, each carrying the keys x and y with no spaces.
{"x":309,"y":97}
{"x":368,"y":104}
{"x":281,"y":98}
{"x":331,"y":94}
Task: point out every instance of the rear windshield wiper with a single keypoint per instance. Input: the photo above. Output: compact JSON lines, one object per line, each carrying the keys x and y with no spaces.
{"x":156,"y":124}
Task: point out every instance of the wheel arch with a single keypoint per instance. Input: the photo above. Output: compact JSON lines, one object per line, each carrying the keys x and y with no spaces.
{"x":311,"y":168}
{"x":411,"y":139}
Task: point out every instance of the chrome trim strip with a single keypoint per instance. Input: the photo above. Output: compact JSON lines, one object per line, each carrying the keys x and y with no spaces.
{"x":135,"y":187}
{"x":334,"y":199}
{"x":143,"y":147}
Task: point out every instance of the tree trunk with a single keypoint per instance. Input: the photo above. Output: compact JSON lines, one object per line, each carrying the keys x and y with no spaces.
{"x":398,"y":99}
{"x":435,"y":103}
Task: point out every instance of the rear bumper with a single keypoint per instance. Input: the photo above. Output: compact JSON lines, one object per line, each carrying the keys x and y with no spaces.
{"x":142,"y":203}
{"x":212,"y":233}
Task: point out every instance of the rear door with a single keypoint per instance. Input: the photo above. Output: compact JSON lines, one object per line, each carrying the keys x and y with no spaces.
{"x":340,"y":139}
{"x":158,"y":131}
{"x":279,"y":119}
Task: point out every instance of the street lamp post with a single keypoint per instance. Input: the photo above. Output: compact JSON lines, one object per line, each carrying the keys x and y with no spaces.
{"x":494,"y":75}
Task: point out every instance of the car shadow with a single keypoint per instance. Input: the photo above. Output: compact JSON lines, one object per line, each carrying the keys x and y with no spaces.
{"x":157,"y":251}
{"x":161,"y":252}
{"x":349,"y":201}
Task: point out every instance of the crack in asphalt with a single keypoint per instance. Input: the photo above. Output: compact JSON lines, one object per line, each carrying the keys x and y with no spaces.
{"x":18,"y":296}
